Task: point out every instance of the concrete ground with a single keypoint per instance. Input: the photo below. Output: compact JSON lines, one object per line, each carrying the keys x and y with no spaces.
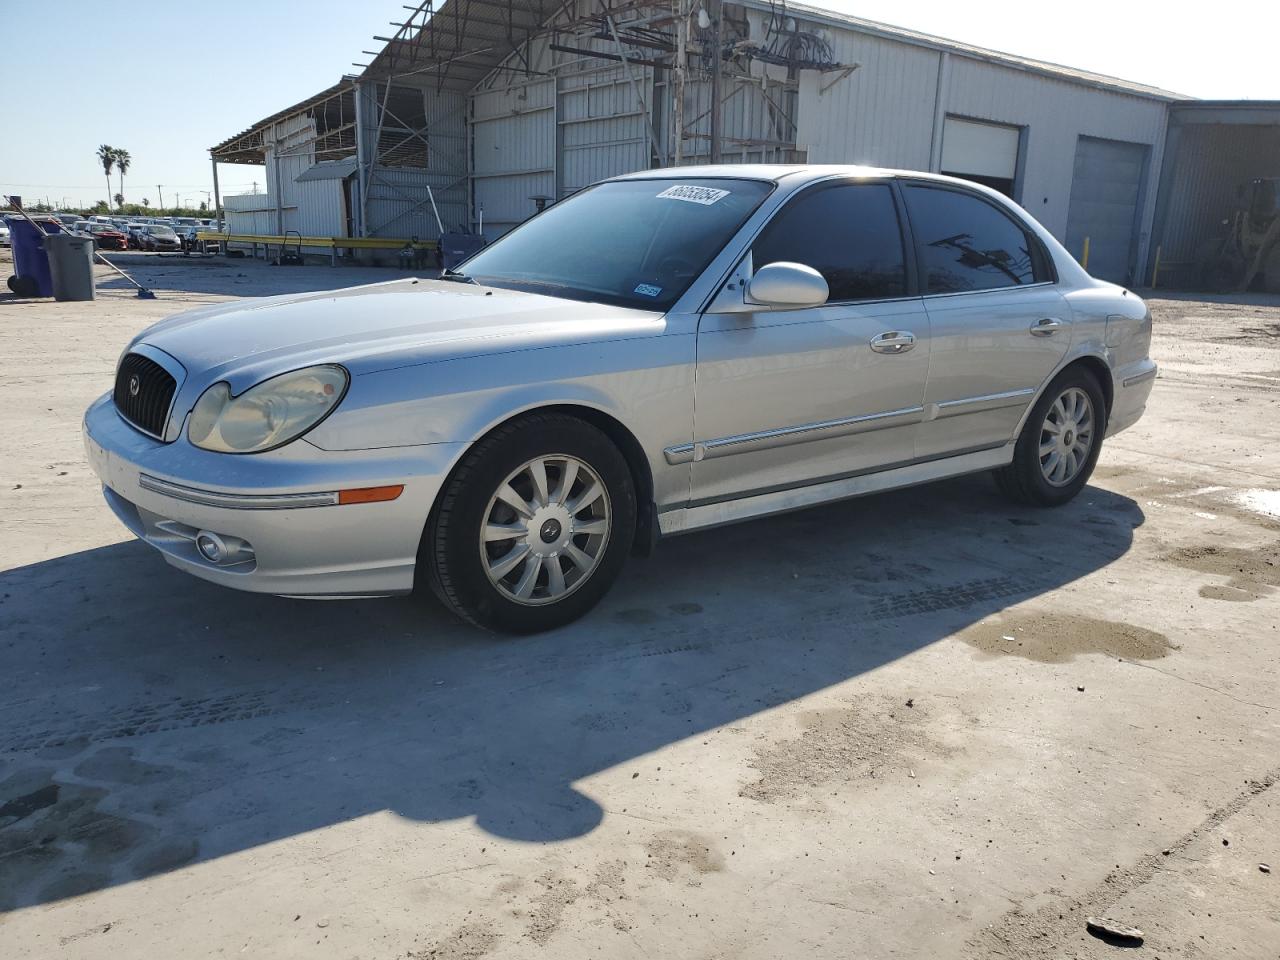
{"x":925,"y":724}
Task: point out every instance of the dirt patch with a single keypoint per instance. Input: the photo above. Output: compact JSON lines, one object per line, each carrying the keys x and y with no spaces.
{"x":841,"y":745}
{"x":1231,"y":594}
{"x":1249,"y":570}
{"x":676,"y":853}
{"x":470,"y":941}
{"x":1061,"y":637}
{"x":558,"y":894}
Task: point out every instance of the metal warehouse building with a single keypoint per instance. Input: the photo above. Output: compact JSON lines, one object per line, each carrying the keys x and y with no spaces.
{"x":475,"y":114}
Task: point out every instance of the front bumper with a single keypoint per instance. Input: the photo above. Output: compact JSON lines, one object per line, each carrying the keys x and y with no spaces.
{"x":166,"y":492}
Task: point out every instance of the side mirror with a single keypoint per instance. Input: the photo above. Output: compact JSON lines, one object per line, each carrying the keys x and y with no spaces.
{"x":791,"y":285}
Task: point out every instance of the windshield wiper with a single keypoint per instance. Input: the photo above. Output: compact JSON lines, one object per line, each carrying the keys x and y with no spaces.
{"x":456,"y":277}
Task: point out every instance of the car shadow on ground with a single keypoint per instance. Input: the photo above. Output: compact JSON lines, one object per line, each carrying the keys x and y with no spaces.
{"x":150,"y":720}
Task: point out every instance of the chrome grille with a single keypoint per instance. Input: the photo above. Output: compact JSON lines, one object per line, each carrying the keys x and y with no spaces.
{"x":144,"y":393}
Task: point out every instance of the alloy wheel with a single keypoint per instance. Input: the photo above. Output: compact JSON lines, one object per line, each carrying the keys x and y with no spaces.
{"x":545,"y":529}
{"x":1066,"y":437}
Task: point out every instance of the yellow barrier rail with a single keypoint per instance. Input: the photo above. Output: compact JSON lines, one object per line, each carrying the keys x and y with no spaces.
{"x":332,"y":244}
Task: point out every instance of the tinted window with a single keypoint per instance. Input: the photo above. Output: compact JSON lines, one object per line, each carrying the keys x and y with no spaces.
{"x":968,"y":244}
{"x":848,"y":233}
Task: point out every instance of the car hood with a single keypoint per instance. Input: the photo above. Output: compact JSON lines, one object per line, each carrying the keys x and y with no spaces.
{"x":381,"y":326}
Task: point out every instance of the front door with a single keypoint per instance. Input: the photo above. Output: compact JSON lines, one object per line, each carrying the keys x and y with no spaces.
{"x":998,"y":326}
{"x":786,"y":398}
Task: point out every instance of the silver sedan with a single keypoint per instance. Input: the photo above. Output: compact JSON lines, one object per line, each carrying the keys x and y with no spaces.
{"x":660,"y":353}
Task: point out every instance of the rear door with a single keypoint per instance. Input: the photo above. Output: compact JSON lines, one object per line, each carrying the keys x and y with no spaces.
{"x":788,"y":397}
{"x":998,"y":325}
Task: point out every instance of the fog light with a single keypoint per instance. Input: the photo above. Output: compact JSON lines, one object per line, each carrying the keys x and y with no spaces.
{"x":211,"y":546}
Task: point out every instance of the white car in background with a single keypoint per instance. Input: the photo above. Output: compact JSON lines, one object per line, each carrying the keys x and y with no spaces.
{"x":4,"y":235}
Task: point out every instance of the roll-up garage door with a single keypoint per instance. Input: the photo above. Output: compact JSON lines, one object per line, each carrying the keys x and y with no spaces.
{"x":986,"y":153}
{"x":1105,"y":193}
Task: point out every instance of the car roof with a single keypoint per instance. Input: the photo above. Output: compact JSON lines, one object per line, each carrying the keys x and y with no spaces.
{"x":780,"y":172}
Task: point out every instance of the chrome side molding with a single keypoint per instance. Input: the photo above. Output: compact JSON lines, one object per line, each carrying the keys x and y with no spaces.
{"x":783,"y":436}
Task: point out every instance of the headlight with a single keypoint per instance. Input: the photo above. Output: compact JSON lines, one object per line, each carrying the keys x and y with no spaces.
{"x":268,"y":415}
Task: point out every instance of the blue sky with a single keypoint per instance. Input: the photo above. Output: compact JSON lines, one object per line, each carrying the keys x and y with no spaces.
{"x":166,"y":80}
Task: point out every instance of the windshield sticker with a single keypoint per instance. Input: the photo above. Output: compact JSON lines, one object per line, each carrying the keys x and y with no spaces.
{"x":648,"y":289}
{"x":687,"y":192}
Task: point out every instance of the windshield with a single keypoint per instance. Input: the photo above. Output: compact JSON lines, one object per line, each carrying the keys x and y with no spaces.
{"x":635,"y":243}
{"x":159,"y":231}
{"x":101,"y":228}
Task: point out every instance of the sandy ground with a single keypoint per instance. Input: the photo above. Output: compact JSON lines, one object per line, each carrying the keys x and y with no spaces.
{"x":925,"y":724}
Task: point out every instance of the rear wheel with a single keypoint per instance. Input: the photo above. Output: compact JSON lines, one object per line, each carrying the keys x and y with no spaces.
{"x":1059,"y":444}
{"x":533,"y":527}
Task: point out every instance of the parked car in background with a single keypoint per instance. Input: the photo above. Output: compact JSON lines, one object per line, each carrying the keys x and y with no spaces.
{"x":134,"y":233}
{"x":158,"y":236}
{"x":5,"y":239}
{"x":506,"y":435}
{"x":80,"y":227}
{"x":107,"y":237}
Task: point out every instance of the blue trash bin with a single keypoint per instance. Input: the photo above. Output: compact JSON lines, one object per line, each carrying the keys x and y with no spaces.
{"x":32,"y":277}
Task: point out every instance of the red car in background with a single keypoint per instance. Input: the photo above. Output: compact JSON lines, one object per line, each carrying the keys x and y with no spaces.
{"x":107,"y":237}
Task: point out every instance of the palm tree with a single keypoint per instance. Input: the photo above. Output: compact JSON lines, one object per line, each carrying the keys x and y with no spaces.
{"x":119,"y":199}
{"x":107,"y":157}
{"x":146,"y":202}
{"x":122,"y":164}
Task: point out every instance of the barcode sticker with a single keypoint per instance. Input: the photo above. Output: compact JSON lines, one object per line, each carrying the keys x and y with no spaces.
{"x":691,"y":194}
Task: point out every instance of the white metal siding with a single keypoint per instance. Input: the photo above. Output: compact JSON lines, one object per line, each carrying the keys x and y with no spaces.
{"x":881,"y":114}
{"x":1056,"y":113}
{"x":602,"y":126}
{"x":513,"y":147}
{"x":249,"y":213}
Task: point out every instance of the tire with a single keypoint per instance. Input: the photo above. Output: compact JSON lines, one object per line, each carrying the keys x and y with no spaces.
{"x":1046,"y":481}
{"x":499,"y":587}
{"x":1223,"y":274}
{"x":24,"y":286}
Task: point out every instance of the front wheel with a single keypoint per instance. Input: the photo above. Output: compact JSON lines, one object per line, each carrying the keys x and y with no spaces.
{"x":533,"y":526}
{"x":1059,"y":444}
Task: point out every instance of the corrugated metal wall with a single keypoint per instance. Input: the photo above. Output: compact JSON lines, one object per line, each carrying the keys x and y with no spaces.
{"x":313,"y":208}
{"x":1210,"y":162}
{"x":602,"y":125}
{"x":1056,"y":113}
{"x":552,"y":136}
{"x":513,"y":148}
{"x":398,"y":205}
{"x":880,"y":115}
{"x":884,"y":114}
{"x":249,"y":213}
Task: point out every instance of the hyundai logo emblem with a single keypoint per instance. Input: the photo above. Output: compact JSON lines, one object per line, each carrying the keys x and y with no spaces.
{"x":134,"y":385}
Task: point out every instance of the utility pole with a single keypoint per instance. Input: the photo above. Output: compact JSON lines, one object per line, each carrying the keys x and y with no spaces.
{"x":682,"y":62}
{"x":717,"y":18}
{"x":217,"y":195}
{"x":160,"y":190}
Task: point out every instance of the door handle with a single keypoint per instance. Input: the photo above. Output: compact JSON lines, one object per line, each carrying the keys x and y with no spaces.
{"x":1046,"y":327}
{"x":893,"y":342}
